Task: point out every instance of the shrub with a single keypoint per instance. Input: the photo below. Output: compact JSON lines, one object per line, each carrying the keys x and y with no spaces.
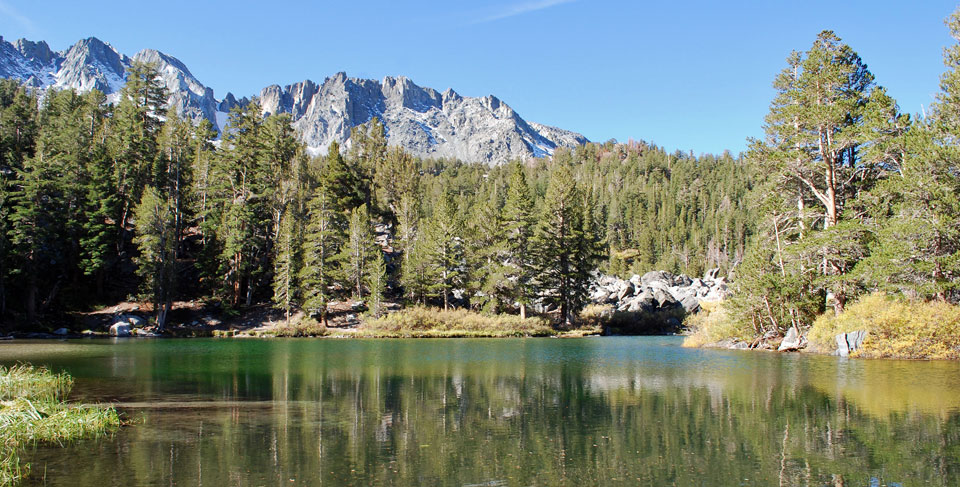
{"x":431,"y":322}
{"x":711,"y":325}
{"x":305,"y":327}
{"x":896,"y":328}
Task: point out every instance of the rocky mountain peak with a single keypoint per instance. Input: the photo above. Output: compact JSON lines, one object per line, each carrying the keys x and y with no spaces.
{"x":423,"y":121}
{"x":38,"y":52}
{"x":93,"y":64}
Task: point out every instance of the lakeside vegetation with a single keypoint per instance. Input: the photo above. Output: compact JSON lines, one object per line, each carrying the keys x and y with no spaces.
{"x":33,"y":410}
{"x":855,"y":197}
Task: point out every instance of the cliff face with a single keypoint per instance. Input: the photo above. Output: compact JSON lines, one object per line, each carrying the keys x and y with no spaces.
{"x":423,"y":121}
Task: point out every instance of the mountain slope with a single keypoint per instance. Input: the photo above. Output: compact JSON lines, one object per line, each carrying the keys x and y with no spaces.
{"x":425,"y":122}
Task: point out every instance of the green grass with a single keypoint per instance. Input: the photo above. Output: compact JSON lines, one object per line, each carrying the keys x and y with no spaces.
{"x":896,"y":328}
{"x":423,"y":322}
{"x":33,"y":411}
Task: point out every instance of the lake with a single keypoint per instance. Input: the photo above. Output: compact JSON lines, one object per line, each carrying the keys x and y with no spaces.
{"x":492,"y":412}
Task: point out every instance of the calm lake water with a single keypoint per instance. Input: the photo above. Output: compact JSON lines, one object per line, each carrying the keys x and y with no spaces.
{"x":477,"y":412}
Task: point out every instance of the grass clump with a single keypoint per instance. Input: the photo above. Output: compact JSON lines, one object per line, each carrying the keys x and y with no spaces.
{"x":423,"y":322}
{"x":32,"y":411}
{"x":896,"y":328}
{"x":712,"y":324}
{"x":304,"y":327}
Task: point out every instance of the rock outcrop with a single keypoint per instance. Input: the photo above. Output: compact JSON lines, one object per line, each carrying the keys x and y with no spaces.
{"x":658,"y":290}
{"x":425,"y":122}
{"x":656,"y":301}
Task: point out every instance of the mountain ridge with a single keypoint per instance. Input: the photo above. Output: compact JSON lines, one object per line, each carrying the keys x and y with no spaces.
{"x":422,"y":120}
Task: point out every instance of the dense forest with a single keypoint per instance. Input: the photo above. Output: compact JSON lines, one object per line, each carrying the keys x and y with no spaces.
{"x":104,"y":202}
{"x":844,"y":196}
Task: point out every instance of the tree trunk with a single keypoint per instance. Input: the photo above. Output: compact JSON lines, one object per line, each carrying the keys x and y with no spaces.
{"x":523,"y":311}
{"x":31,"y":302}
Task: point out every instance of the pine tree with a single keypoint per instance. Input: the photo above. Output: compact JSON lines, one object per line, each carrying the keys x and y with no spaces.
{"x":517,"y":218}
{"x":357,"y":252}
{"x":136,"y":127}
{"x":286,"y":263}
{"x":325,"y":234}
{"x":156,"y":240}
{"x":443,"y":249}
{"x":563,"y":246}
{"x":487,"y":252}
{"x":377,"y":283}
{"x":345,"y":186}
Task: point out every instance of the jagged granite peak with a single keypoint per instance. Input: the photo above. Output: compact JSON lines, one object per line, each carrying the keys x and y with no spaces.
{"x":37,"y":52}
{"x":425,"y":122}
{"x":187,"y":94}
{"x":92,"y":64}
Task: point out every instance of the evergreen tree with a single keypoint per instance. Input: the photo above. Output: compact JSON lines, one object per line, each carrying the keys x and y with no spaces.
{"x":345,"y":186}
{"x":377,"y":283}
{"x":358,"y":252}
{"x":443,"y":249}
{"x":517,"y":217}
{"x":325,"y":234}
{"x":156,"y":240}
{"x":136,"y":127}
{"x":563,"y":247}
{"x":487,"y":253}
{"x":286,"y":264}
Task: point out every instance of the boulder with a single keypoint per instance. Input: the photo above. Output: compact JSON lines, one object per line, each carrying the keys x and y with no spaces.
{"x":120,"y":329}
{"x":135,"y":321}
{"x":682,"y":281}
{"x":61,"y":332}
{"x":690,"y":304}
{"x":657,"y":276}
{"x":664,"y":299}
{"x":624,"y":289}
{"x":712,"y":273}
{"x":793,"y":341}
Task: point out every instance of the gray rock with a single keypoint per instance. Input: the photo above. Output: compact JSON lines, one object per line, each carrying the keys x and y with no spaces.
{"x":624,"y":289}
{"x":682,"y":281}
{"x":120,"y":329}
{"x":690,"y":304}
{"x":134,"y":320}
{"x":664,"y":299}
{"x":792,"y":341}
{"x":712,"y":274}
{"x":855,"y":339}
{"x":657,"y":276}
{"x":842,"y":348}
{"x":849,"y":342}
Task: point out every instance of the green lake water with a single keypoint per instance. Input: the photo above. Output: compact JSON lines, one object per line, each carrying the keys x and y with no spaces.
{"x":498,"y":412}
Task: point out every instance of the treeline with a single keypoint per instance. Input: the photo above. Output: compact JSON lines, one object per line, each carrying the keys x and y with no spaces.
{"x":854,"y":196}
{"x":106,"y":201}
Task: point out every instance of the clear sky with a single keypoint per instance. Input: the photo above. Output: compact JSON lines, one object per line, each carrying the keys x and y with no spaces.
{"x":689,"y":75}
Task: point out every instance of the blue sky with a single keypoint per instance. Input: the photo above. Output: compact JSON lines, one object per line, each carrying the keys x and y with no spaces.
{"x":688,"y":75}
